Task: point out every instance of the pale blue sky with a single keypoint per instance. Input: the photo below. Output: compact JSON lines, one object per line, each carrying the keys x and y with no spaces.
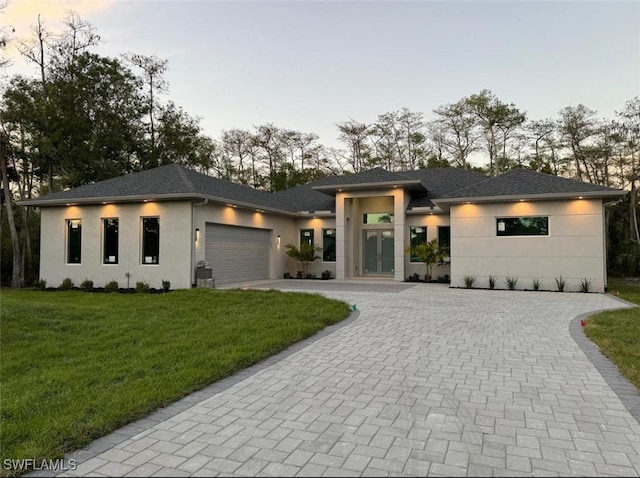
{"x":308,"y":65}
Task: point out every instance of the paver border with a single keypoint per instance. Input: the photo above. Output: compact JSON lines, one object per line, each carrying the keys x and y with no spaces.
{"x":623,"y":388}
{"x":102,"y":444}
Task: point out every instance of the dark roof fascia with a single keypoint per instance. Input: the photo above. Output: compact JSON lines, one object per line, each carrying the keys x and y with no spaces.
{"x":532,"y":197}
{"x":334,"y":188}
{"x":151,"y":197}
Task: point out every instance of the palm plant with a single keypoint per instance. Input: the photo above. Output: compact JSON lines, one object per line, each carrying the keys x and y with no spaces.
{"x":305,"y":255}
{"x":430,"y":253}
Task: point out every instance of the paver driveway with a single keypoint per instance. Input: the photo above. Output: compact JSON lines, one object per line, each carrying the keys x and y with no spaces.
{"x":426,"y":381}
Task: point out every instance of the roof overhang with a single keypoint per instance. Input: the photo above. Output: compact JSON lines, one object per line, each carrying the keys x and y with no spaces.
{"x":422,"y":210}
{"x":409,"y":184}
{"x":152,"y":198}
{"x":446,"y":203}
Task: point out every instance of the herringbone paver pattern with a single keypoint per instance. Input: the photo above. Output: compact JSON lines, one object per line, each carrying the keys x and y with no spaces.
{"x":427,"y":381}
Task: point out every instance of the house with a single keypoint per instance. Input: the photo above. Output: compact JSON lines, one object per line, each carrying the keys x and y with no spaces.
{"x":159,"y":224}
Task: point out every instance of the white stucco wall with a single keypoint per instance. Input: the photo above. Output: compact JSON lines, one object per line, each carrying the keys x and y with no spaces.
{"x":574,"y":248}
{"x":175,"y":244}
{"x":283,"y":226}
{"x":431,"y":222}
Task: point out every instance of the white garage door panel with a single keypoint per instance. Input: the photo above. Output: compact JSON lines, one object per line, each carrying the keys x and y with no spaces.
{"x":237,"y":253}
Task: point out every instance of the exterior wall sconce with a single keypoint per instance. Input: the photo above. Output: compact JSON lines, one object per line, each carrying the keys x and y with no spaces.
{"x":197,"y":234}
{"x":278,"y":241}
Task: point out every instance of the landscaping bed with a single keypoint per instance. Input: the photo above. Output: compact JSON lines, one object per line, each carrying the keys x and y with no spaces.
{"x":76,"y":366}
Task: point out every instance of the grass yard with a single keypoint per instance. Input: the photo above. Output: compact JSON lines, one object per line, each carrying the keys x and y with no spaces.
{"x":74,"y":366}
{"x":617,"y":332}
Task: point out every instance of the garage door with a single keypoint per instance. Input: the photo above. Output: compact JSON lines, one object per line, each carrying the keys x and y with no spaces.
{"x":237,"y":253}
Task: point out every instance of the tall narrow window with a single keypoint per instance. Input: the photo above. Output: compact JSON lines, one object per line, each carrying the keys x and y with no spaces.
{"x":444,"y":238}
{"x":150,"y":240}
{"x":110,"y":241}
{"x":74,"y":241}
{"x":306,"y":236}
{"x":329,"y":245}
{"x":417,"y":236}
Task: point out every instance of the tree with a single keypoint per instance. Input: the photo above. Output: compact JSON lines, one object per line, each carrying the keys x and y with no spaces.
{"x":494,"y":117}
{"x":576,"y":125}
{"x":454,"y":132}
{"x":17,"y":276}
{"x":354,"y":135}
{"x":305,"y":255}
{"x":153,"y":70}
{"x":430,"y":253}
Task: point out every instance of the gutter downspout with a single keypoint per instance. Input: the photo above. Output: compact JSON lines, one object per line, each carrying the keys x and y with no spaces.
{"x":193,"y":240}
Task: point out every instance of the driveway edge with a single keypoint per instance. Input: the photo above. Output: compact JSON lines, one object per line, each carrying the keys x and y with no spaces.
{"x":624,"y":389}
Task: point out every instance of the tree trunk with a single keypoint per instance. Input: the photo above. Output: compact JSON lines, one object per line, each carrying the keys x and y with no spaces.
{"x":17,"y":274}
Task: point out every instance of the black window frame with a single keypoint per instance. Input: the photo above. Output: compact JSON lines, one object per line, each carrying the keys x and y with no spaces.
{"x":379,"y":215}
{"x":108,"y":248}
{"x":328,"y":240}
{"x":512,"y":228}
{"x":413,"y":240}
{"x":74,"y":239}
{"x":303,"y":236}
{"x":445,"y":243}
{"x":147,"y":243}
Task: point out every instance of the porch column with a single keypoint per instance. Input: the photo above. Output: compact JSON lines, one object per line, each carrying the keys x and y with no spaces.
{"x":341,"y":237}
{"x":399,"y":208}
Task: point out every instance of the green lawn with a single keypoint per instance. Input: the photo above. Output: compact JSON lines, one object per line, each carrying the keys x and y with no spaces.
{"x":75,"y":366}
{"x":617,"y":332}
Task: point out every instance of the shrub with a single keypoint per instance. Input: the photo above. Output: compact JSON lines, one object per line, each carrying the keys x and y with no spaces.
{"x":299,"y":275}
{"x":492,"y":282}
{"x":166,"y":285}
{"x":305,"y":255}
{"x":415,"y":277}
{"x":536,"y":283}
{"x":560,"y":283}
{"x":511,"y":282}
{"x":326,"y":275}
{"x":41,"y":284}
{"x":142,"y":287}
{"x":111,"y":286}
{"x":67,"y":284}
{"x":468,"y":281}
{"x":431,"y":253}
{"x":86,"y":285}
{"x":585,"y":285}
{"x":287,"y":275}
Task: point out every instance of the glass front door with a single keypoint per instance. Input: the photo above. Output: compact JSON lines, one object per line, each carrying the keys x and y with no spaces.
{"x":378,"y":251}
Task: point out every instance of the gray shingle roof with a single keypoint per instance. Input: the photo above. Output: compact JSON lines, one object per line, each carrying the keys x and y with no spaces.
{"x":524,"y":182}
{"x":429,"y":185}
{"x":165,"y":182}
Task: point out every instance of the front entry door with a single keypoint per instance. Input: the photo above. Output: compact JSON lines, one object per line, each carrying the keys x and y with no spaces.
{"x":378,"y":251}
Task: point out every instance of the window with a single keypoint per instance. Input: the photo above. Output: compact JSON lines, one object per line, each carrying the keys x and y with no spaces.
{"x":110,"y":241}
{"x":306,"y":236}
{"x":417,"y":236}
{"x":444,"y":237}
{"x":74,"y":241}
{"x":329,"y":245}
{"x":522,"y":226}
{"x":377,"y":218}
{"x":150,"y":240}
